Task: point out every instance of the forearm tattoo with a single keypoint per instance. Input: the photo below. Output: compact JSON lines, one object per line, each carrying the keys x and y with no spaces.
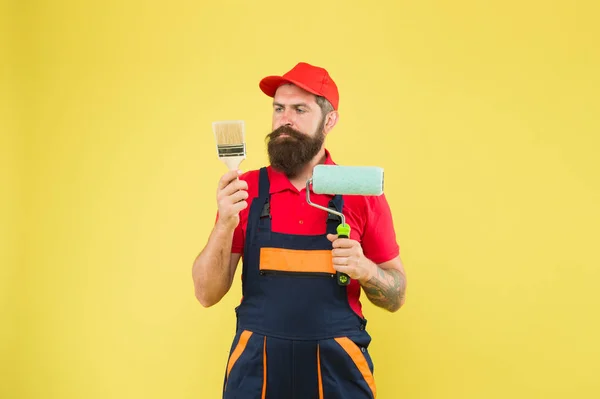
{"x":386,"y":289}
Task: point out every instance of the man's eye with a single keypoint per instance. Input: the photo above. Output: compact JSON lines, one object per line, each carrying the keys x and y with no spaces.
{"x":301,"y":110}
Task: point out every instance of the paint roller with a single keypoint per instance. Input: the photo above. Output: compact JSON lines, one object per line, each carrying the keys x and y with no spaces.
{"x":344,"y":180}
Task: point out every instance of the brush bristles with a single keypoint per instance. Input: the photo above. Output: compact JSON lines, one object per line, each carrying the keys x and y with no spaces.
{"x":229,"y":133}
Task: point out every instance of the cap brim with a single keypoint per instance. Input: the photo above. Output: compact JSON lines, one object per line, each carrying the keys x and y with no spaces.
{"x":270,"y":84}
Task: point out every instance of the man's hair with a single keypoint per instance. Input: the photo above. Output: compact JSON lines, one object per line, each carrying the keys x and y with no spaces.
{"x":325,"y":105}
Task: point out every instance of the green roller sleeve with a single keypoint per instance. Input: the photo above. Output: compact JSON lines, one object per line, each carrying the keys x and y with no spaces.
{"x":343,"y":231}
{"x":347,"y":180}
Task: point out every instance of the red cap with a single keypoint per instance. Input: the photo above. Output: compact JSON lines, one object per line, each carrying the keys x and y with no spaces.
{"x":311,"y":78}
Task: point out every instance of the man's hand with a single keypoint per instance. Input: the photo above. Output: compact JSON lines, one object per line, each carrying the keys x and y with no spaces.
{"x":231,"y":198}
{"x":348,"y":258}
{"x":384,"y":284}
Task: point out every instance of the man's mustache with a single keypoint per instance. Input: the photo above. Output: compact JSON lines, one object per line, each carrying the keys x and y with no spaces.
{"x":287,"y":130}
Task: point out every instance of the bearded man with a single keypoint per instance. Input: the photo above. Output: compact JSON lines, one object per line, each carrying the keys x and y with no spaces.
{"x":300,"y":334}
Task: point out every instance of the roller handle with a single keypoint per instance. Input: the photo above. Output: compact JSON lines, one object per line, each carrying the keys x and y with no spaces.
{"x":343,"y":231}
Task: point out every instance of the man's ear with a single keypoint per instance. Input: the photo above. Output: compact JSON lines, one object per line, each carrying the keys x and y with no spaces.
{"x":330,"y":121}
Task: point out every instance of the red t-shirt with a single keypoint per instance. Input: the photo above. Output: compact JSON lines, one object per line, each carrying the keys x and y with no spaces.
{"x":369,"y":218}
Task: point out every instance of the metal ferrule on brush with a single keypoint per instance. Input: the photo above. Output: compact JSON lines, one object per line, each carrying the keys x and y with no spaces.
{"x":341,"y":215}
{"x":231,"y":150}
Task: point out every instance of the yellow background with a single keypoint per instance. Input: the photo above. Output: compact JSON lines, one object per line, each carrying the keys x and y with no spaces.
{"x":485,"y":116}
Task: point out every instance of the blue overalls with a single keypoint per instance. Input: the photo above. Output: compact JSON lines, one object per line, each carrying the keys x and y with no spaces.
{"x":296,"y":337}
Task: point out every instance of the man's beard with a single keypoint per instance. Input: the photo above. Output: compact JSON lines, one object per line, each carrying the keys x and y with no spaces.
{"x":290,"y":154}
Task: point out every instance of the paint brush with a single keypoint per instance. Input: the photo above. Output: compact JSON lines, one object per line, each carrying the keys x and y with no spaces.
{"x":231,"y":148}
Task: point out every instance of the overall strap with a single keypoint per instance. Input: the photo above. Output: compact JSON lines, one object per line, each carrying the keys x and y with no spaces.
{"x":263,"y":183}
{"x":264,"y":220}
{"x":258,"y":209}
{"x":337,"y":204}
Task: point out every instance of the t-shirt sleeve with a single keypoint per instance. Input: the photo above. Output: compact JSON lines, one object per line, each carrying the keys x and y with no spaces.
{"x":378,"y":240}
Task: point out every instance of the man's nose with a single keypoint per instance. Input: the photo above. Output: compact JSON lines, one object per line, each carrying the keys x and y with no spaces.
{"x":286,"y":118}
